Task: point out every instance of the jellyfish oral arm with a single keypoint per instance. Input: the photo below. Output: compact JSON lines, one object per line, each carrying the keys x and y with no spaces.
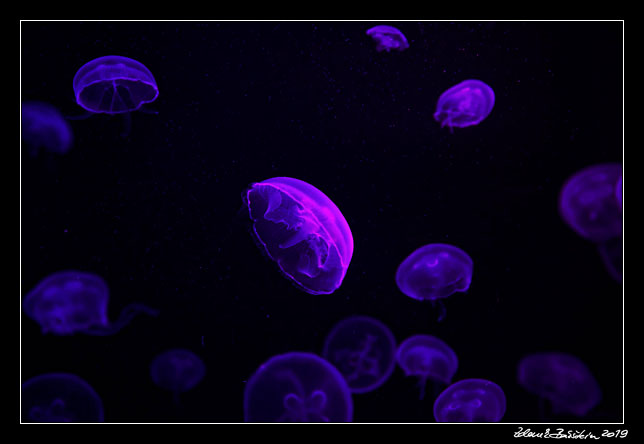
{"x":128,"y":313}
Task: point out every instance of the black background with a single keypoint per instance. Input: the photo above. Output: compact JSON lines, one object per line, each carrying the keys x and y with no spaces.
{"x":159,"y":215}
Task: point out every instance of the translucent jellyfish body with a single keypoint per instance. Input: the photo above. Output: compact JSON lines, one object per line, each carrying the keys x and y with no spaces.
{"x":113,"y":85}
{"x":562,"y":379}
{"x":177,"y":370}
{"x":297,"y":387}
{"x":69,"y":302}
{"x":388,"y":38}
{"x":470,"y":400}
{"x":303,"y":231}
{"x":363,"y":350}
{"x":43,"y":127}
{"x":60,"y":397}
{"x":587,"y":202}
{"x":427,"y":358}
{"x":618,"y":190}
{"x":611,"y":252}
{"x":465,"y":104}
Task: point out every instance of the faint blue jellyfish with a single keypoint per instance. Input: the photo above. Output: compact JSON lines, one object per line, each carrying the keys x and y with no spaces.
{"x":427,"y":358}
{"x":302,"y":231}
{"x":60,"y":397}
{"x":611,"y":252}
{"x":434,"y":272}
{"x":388,"y":38}
{"x":43,"y":127}
{"x":177,"y":370}
{"x":618,"y":190}
{"x":69,"y":302}
{"x":470,"y":400}
{"x":562,"y":379}
{"x":465,"y":104}
{"x":297,"y":387}
{"x":588,"y":205}
{"x":362,"y":349}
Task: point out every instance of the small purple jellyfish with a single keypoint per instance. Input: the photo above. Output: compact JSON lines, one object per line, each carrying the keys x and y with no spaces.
{"x":303,"y":231}
{"x":388,"y":38}
{"x":113,"y":85}
{"x":611,"y":252}
{"x":427,"y":357}
{"x":562,"y":379}
{"x":69,"y":302}
{"x":434,"y":272}
{"x":363,"y":349}
{"x":177,"y":370}
{"x":297,"y":387}
{"x":60,"y":397}
{"x":470,"y":400}
{"x":465,"y":104}
{"x":44,"y":127}
{"x":588,"y":205}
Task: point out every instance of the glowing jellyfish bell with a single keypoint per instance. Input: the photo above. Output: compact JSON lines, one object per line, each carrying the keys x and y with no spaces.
{"x":177,"y":370}
{"x":297,"y":387}
{"x":303,"y":231}
{"x":588,"y":205}
{"x":44,"y":127}
{"x":470,"y":400}
{"x":60,"y":397}
{"x":362,"y":349}
{"x":427,"y":358}
{"x":465,"y":104}
{"x":434,"y":272}
{"x":562,"y":379}
{"x":69,"y":302}
{"x":388,"y":38}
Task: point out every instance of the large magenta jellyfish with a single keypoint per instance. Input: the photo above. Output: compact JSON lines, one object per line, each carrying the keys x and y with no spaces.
{"x":363,"y":349}
{"x":60,"y":397}
{"x":465,"y":104}
{"x":297,"y":387}
{"x":69,"y":302}
{"x":303,"y":231}
{"x":113,"y":85}
{"x":470,"y":400}
{"x":44,"y":127}
{"x":388,"y":38}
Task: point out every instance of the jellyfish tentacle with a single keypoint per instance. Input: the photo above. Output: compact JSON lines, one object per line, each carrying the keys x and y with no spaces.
{"x":127,"y":314}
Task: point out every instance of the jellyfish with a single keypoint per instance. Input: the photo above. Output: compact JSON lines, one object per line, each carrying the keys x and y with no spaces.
{"x":297,"y":387}
{"x":362,"y":349}
{"x":470,"y":400}
{"x":388,"y":38}
{"x":43,"y":127}
{"x":69,"y":302}
{"x":427,"y":357}
{"x":177,"y":370}
{"x":434,"y":272}
{"x":60,"y":397}
{"x":611,"y":252}
{"x":562,"y":379}
{"x":302,"y":231}
{"x":618,"y":190}
{"x":465,"y":104}
{"x":587,"y":202}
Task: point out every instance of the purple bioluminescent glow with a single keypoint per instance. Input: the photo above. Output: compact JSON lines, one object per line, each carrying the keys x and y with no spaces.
{"x":388,"y":38}
{"x":470,"y":400}
{"x":44,"y":127}
{"x":465,"y":104}
{"x":177,"y":370}
{"x":297,"y":387}
{"x":303,"y":231}
{"x":362,"y":349}
{"x":113,"y":85}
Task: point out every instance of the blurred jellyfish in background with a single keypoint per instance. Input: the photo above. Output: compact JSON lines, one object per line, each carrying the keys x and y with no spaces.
{"x":470,"y":400}
{"x":177,"y":370}
{"x":43,"y":127}
{"x":434,"y":272}
{"x":427,"y":358}
{"x":69,"y":302}
{"x":465,"y":104}
{"x":363,"y":350}
{"x":619,"y":189}
{"x":388,"y":38}
{"x":562,"y":379}
{"x":303,"y":231}
{"x":60,"y":397}
{"x":297,"y":387}
{"x":611,"y":252}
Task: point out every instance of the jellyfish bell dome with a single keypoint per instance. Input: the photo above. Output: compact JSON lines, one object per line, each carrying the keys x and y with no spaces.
{"x":43,"y":126}
{"x":470,"y":400}
{"x":388,"y":38}
{"x":177,"y":370}
{"x":113,"y":85}
{"x":465,"y":104}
